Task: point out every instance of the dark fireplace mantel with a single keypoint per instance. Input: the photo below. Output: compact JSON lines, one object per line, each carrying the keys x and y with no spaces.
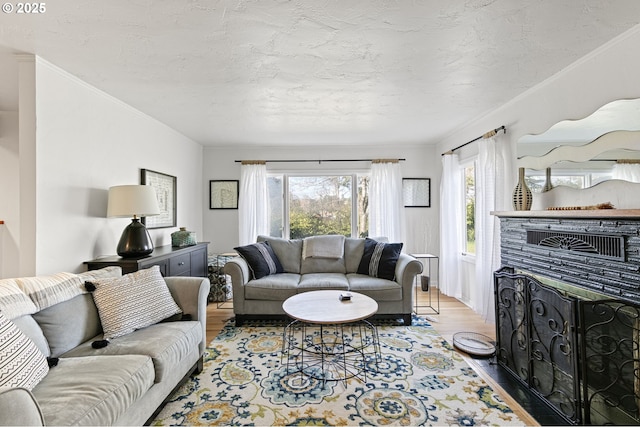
{"x":572,"y":213}
{"x":591,"y":250}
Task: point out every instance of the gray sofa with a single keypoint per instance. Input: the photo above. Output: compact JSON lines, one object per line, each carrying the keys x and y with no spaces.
{"x":263,"y":297}
{"x":123,"y":383}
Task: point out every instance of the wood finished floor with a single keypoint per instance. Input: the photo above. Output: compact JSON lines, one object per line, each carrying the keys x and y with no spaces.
{"x":454,"y":317}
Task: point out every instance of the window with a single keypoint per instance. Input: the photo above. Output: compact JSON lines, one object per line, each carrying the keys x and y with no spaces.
{"x":469,"y":172}
{"x":308,"y":205}
{"x":535,"y":179}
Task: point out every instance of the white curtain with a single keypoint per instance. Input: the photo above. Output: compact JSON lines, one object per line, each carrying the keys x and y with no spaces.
{"x":451,"y":220}
{"x":493,"y":193}
{"x":253,"y":203}
{"x":627,"y":172}
{"x":386,"y":214}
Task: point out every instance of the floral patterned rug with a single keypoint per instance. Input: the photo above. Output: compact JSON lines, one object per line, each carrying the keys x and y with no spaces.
{"x":419,"y":380}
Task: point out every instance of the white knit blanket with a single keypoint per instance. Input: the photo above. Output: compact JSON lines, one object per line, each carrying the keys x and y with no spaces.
{"x":331,"y":246}
{"x":13,"y":301}
{"x":27,"y":295}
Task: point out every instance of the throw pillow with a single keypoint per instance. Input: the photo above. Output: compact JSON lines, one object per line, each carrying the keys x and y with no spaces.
{"x":380,"y":259}
{"x":261,"y":259}
{"x":22,"y":364}
{"x":133,"y":301}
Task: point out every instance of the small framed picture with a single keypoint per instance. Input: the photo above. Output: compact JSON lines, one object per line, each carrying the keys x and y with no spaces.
{"x":223,"y":194}
{"x":416,"y":192}
{"x":166,"y":187}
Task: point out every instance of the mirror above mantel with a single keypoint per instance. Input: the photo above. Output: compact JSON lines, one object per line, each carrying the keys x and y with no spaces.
{"x":585,"y":152}
{"x":590,"y":161}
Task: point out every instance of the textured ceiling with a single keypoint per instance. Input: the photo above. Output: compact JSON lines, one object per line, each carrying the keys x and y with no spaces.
{"x":289,"y":72}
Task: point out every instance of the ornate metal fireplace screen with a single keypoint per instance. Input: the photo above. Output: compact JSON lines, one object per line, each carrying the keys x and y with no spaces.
{"x":581,"y":357}
{"x":610,"y":362}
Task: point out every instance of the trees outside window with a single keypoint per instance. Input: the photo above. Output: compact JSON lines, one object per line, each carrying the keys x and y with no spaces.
{"x":470,"y":208}
{"x":303,"y":206}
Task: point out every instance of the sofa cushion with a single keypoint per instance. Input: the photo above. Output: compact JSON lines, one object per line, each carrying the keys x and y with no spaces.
{"x":374,"y":287}
{"x":28,"y":325}
{"x":22,"y":364}
{"x":93,"y":390}
{"x":13,"y":301}
{"x":18,"y":407}
{"x":261,"y":259}
{"x":323,"y":281}
{"x":353,"y":251}
{"x":81,"y":312}
{"x":166,"y":343}
{"x":380,"y":259}
{"x":276,"y":287}
{"x":133,"y":301}
{"x":322,"y":265}
{"x":289,"y":252}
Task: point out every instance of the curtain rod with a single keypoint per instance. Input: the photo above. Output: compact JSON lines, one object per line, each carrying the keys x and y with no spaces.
{"x":486,"y":135}
{"x":319,"y":160}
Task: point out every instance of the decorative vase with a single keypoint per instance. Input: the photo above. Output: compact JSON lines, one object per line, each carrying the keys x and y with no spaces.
{"x":547,"y":183}
{"x":522,"y":197}
{"x":183,"y":237}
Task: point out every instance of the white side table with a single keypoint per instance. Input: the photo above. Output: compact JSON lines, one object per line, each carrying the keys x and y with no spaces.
{"x":435,"y":308}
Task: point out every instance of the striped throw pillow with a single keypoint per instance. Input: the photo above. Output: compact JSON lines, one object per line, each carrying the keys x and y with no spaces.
{"x":133,"y":301}
{"x":380,"y":259}
{"x":22,"y":364}
{"x":261,"y":259}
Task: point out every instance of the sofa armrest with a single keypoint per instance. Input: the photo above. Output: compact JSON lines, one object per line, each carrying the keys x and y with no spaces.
{"x":407,"y":269}
{"x":18,"y":407}
{"x":191,"y":294}
{"x":238,"y":269}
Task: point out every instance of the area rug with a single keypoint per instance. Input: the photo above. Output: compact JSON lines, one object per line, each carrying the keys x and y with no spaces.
{"x":420,"y":380}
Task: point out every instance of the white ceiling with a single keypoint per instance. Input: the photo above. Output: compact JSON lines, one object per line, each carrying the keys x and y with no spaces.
{"x":290,"y":72}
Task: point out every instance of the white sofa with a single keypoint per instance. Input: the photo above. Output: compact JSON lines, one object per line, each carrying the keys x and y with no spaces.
{"x":263,"y":297}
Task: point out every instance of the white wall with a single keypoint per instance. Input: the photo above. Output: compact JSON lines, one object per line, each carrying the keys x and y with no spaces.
{"x":88,"y":141}
{"x":9,"y":147}
{"x":9,"y":194}
{"x":221,"y":226}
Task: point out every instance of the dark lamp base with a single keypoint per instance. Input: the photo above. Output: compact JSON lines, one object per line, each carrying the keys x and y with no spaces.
{"x":135,"y":241}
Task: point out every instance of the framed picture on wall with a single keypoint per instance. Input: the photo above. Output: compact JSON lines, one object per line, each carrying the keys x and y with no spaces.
{"x":223,"y":194}
{"x":416,"y":192}
{"x":166,"y":188}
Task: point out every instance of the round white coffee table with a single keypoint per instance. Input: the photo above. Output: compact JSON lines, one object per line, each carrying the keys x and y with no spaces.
{"x":330,"y":339}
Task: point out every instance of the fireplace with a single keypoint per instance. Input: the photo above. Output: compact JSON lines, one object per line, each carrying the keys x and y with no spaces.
{"x":568,"y":311}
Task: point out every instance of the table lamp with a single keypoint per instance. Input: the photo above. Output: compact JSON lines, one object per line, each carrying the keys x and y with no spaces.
{"x":133,"y":201}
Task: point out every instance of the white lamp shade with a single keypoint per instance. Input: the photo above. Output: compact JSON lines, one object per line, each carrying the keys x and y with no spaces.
{"x":132,"y":200}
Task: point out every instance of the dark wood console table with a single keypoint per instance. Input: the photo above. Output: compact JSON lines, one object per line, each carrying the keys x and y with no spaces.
{"x":173,"y":261}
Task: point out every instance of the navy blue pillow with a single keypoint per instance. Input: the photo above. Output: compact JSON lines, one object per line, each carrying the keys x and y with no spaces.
{"x":261,"y":259}
{"x":380,"y":259}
